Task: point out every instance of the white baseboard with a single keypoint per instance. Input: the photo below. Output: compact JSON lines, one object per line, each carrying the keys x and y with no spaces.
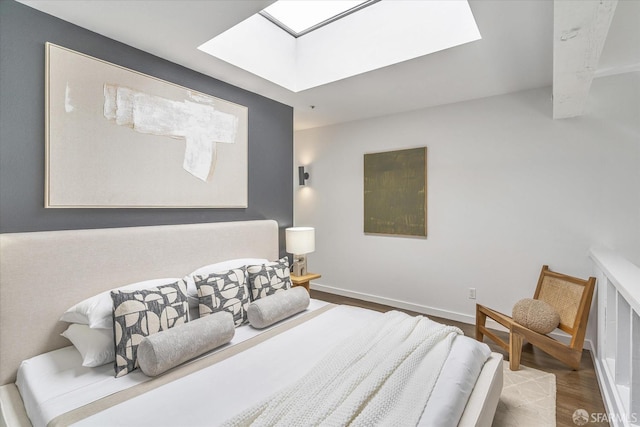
{"x":419,"y":308}
{"x":423,"y":309}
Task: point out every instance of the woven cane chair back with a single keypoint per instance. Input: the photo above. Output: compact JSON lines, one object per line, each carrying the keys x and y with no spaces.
{"x":565,"y":296}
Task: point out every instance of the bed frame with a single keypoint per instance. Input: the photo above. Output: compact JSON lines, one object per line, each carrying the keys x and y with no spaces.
{"x":44,"y":273}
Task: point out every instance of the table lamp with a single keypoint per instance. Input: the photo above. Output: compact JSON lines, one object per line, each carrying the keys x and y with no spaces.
{"x":300,"y":241}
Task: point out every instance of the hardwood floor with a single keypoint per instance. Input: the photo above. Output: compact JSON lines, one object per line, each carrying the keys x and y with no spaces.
{"x":574,"y":389}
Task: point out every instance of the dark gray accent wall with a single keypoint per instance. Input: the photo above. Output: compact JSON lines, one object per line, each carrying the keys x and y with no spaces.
{"x":23,"y":33}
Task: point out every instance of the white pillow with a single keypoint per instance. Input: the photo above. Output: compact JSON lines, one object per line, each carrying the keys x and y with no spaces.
{"x":192,"y":291}
{"x":97,"y":311}
{"x":95,"y":345}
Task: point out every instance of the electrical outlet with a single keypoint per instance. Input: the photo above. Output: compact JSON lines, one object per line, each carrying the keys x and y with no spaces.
{"x":472,"y":293}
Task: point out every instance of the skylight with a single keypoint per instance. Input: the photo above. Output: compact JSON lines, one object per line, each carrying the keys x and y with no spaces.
{"x":301,"y":17}
{"x":381,"y":33}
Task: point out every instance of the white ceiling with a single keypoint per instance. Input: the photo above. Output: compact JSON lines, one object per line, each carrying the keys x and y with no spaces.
{"x":515,"y":53}
{"x":377,"y":36}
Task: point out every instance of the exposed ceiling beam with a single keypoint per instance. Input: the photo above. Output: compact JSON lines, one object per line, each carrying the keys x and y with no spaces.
{"x":580,"y":29}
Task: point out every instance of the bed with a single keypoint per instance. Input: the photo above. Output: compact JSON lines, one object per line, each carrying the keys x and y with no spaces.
{"x":44,"y":273}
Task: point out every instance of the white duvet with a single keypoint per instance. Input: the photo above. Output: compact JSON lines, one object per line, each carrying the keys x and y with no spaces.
{"x":381,"y":375}
{"x":54,"y":383}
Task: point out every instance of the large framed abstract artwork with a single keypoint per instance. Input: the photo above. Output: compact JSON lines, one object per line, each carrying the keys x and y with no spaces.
{"x":395,"y":192}
{"x":119,"y":138}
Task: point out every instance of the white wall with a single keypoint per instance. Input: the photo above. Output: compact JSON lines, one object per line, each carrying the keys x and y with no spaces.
{"x":509,"y":189}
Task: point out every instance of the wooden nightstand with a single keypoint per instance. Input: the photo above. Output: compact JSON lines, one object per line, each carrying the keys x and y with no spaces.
{"x":304,"y":280}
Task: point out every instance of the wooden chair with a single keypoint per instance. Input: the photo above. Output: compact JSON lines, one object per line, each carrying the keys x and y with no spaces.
{"x":571,"y":298}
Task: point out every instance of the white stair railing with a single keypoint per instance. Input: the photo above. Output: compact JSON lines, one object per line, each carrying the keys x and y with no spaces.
{"x":617,"y":352}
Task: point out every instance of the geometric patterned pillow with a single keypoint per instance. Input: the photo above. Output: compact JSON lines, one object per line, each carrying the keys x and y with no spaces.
{"x":269,"y":278}
{"x":140,"y":313}
{"x":224,"y":291}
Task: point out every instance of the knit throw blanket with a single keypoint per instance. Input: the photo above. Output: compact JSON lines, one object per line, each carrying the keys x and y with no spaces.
{"x":382,"y":375}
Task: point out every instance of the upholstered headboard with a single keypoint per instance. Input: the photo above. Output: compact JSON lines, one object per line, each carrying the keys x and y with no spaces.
{"x":44,"y":273}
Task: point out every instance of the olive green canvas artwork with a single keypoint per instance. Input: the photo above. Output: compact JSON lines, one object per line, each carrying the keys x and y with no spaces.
{"x":395,"y":192}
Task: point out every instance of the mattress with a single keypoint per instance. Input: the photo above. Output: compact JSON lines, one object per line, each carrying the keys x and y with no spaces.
{"x":56,"y":382}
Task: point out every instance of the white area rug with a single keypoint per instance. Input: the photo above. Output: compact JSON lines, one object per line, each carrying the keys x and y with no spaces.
{"x":528,"y":399}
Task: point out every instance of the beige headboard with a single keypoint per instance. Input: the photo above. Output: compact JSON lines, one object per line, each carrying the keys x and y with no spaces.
{"x":44,"y":273}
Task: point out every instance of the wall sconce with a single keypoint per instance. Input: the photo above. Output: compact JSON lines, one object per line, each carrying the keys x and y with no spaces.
{"x":302,"y":175}
{"x":300,"y":241}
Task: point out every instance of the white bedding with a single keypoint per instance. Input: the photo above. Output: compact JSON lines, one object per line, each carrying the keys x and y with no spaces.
{"x":55,"y":382}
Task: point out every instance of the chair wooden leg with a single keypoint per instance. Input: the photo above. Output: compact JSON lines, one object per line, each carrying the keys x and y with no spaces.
{"x":569,"y":357}
{"x":515,"y":350}
{"x":481,"y":320}
{"x":554,"y":348}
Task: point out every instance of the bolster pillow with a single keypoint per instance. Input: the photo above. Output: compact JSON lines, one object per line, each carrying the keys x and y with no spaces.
{"x":268,"y":310}
{"x":164,"y":350}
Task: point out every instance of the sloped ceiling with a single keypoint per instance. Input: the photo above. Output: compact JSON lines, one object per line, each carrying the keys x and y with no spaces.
{"x":515,"y":53}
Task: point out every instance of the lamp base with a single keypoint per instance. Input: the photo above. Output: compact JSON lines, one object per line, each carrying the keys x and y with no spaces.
{"x":299,"y":265}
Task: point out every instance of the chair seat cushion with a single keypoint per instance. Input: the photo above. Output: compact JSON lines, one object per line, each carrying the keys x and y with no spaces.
{"x":536,"y":315}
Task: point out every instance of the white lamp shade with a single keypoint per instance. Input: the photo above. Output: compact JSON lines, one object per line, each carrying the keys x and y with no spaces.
{"x":300,"y":240}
